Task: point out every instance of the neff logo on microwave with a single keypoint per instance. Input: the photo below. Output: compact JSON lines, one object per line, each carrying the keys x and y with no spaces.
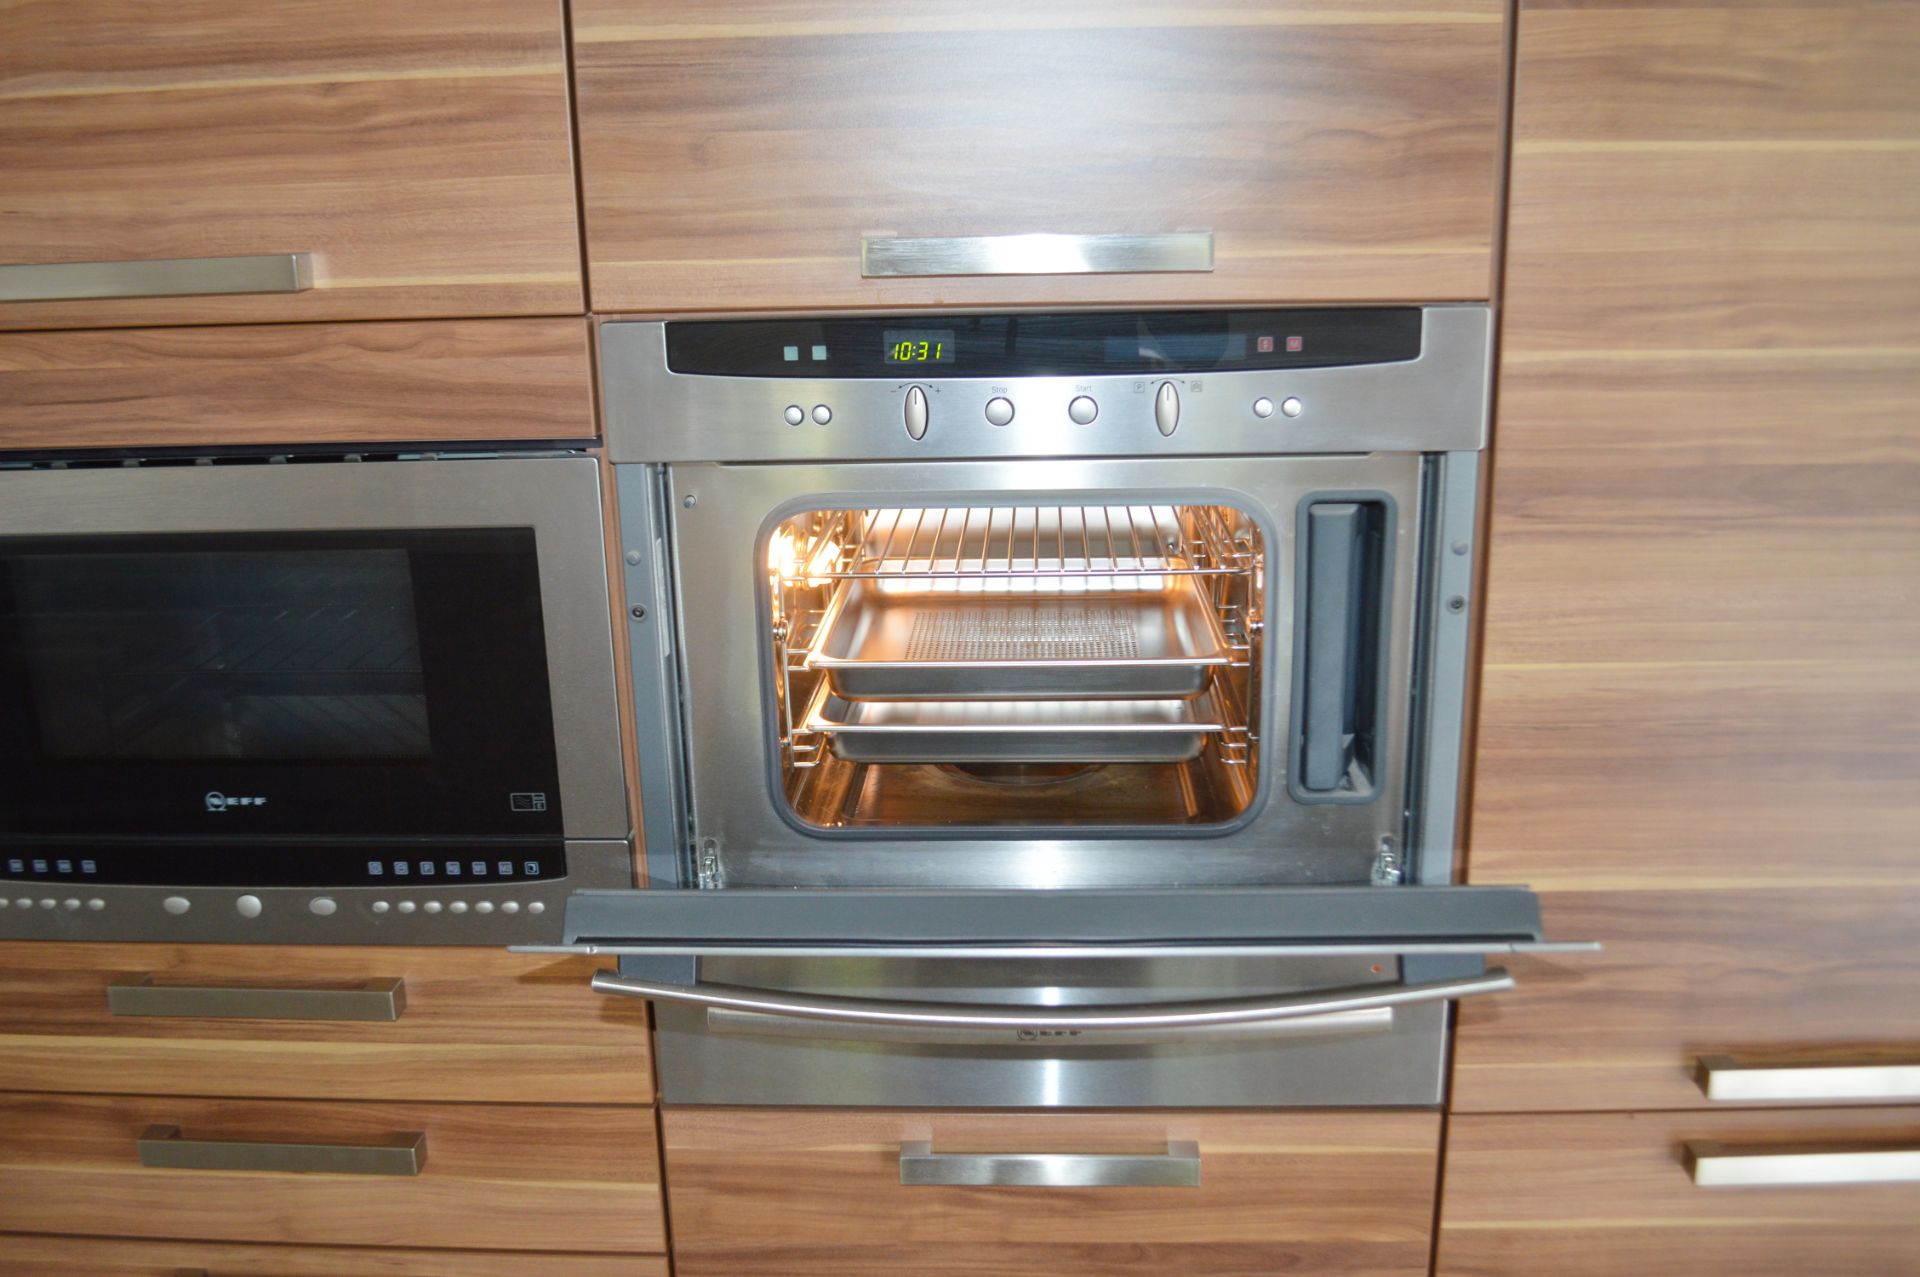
{"x":217,"y":801}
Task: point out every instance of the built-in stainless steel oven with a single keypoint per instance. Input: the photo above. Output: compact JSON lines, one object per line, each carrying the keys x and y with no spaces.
{"x":1051,"y":709}
{"x":305,"y":699}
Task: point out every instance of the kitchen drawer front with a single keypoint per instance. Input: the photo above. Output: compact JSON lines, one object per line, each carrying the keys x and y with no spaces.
{"x":1783,"y":980}
{"x":25,"y":1256}
{"x":1587,"y":1195}
{"x":297,"y":384}
{"x":419,"y":154}
{"x":737,"y":157}
{"x":808,"y":1191}
{"x":470,"y":1024}
{"x":485,"y":1177}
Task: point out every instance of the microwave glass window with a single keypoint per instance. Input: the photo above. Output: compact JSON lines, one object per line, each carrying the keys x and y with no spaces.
{"x":263,"y":655}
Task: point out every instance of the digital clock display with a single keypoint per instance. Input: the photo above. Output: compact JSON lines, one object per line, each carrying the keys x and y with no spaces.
{"x":919,"y":345}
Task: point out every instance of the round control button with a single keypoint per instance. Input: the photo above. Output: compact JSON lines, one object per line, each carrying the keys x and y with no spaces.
{"x":485,"y":906}
{"x":248,"y":906}
{"x":5,"y":903}
{"x":822,"y":414}
{"x":1083,"y":410}
{"x":381,"y":906}
{"x":536,"y":907}
{"x":49,"y":903}
{"x":70,"y":905}
{"x":512,"y":906}
{"x":1292,"y":407}
{"x":23,"y":903}
{"x":176,"y":905}
{"x":1263,"y":407}
{"x":999,"y":410}
{"x":433,"y":906}
{"x":324,"y":906}
{"x":96,"y":904}
{"x":407,"y":906}
{"x":795,"y":414}
{"x":458,"y":906}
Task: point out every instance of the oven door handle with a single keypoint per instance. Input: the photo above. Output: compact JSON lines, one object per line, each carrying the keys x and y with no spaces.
{"x":1137,"y":1017}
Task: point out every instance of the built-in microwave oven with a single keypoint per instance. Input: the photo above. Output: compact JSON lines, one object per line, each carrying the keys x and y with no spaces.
{"x":306,"y":699}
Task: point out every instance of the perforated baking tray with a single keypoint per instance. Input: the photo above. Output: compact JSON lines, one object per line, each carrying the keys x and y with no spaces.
{"x":1027,"y":731}
{"x":876,"y":644}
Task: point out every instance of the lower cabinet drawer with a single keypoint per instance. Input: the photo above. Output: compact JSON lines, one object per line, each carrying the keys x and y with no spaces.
{"x":85,"y":1257}
{"x":798,"y":1192}
{"x":1592,"y":1194}
{"x":484,"y":1177}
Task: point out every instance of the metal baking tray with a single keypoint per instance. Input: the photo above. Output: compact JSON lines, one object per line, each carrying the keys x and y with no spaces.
{"x":1101,"y":731}
{"x":879,"y":644}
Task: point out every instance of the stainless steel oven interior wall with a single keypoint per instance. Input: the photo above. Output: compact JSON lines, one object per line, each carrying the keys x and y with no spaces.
{"x":1400,"y":1065}
{"x":719,"y":516}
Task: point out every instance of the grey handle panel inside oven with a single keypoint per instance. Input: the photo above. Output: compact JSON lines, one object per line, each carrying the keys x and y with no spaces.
{"x":163,"y":1147}
{"x":883,"y":256}
{"x":1167,"y":1018}
{"x":1334,"y":1023}
{"x":158,"y":277}
{"x":381,"y":1000}
{"x":1178,"y":1167}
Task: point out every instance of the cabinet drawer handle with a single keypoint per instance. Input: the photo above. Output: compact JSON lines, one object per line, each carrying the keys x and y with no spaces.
{"x":157,"y":277}
{"x":1726,"y":1079}
{"x":1178,"y":1167}
{"x":163,"y":1148}
{"x":373,"y":1000}
{"x":1715,"y":1166}
{"x":886,"y":256}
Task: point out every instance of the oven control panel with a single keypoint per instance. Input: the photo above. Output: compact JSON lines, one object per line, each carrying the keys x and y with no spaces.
{"x":929,"y":387}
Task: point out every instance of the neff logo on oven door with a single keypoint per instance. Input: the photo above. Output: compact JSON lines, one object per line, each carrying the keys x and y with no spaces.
{"x":217,"y":801}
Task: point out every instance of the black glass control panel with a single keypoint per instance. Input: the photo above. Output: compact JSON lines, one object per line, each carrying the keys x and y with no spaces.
{"x":268,"y":864}
{"x":1112,"y":343}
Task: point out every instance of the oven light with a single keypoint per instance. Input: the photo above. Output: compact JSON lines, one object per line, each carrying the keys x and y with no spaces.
{"x":783,"y":556}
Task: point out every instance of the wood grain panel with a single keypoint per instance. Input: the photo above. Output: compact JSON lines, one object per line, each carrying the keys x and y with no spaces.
{"x":1767,"y":977}
{"x":479,"y":1024}
{"x":421,"y":152}
{"x":1592,"y":1194}
{"x":298,"y":384}
{"x":799,"y":1192}
{"x":496,"y":1177}
{"x":733,"y":158}
{"x":26,"y":1256}
{"x":1702,"y":643}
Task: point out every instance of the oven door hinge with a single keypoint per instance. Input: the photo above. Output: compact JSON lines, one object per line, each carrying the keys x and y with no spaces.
{"x":1387,"y":870}
{"x":707,"y":865}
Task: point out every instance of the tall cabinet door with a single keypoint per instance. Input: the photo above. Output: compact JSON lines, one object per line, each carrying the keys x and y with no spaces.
{"x":739,"y":155}
{"x":361,"y":159}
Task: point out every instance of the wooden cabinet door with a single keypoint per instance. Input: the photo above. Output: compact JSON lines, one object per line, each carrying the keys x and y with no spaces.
{"x":1601,"y":1194}
{"x":296,"y":384}
{"x":419,"y":152}
{"x":819,"y":1192}
{"x":536,"y":1177}
{"x":24,"y":1256}
{"x":474,"y":1025}
{"x":734,"y":156}
{"x":1700,"y":713}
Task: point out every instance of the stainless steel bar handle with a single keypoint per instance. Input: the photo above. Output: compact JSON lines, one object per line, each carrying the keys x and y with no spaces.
{"x":1155,"y":1016}
{"x":1715,"y":1166}
{"x":755,"y":1024}
{"x":1725,"y":1079}
{"x":373,"y":1000}
{"x":886,"y":256}
{"x":163,"y":1147}
{"x":157,"y":277}
{"x":1178,"y":1167}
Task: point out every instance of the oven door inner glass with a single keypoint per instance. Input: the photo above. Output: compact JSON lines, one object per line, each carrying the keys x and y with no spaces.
{"x":1017,"y":666}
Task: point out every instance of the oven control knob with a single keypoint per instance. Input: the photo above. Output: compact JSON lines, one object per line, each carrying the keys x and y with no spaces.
{"x":1083,"y":410}
{"x":999,"y":410}
{"x":916,"y":412}
{"x":1166,"y":408}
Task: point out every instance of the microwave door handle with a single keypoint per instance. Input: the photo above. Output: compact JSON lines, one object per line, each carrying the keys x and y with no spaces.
{"x":1163,"y":1016}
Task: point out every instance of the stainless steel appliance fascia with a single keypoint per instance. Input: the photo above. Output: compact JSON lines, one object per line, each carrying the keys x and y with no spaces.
{"x":1024,"y":966}
{"x":557,"y":496}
